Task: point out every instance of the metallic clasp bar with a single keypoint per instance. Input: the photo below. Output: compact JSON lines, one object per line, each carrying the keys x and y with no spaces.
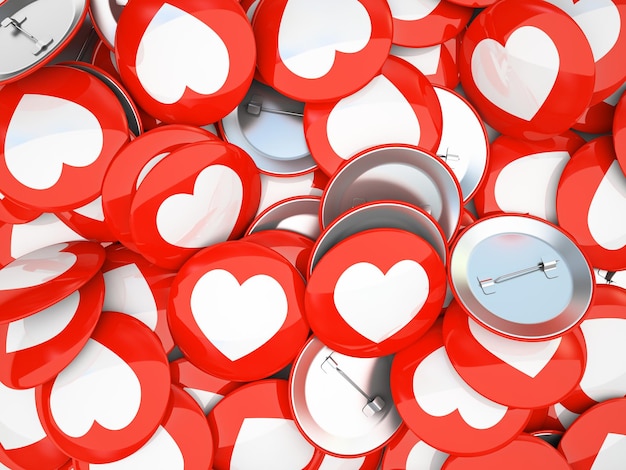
{"x":488,"y":285}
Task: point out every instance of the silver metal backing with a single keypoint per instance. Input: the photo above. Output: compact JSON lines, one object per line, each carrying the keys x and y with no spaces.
{"x":298,"y":214}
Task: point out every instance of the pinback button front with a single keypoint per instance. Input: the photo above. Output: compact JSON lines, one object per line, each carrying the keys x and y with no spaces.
{"x":521,"y":277}
{"x":367,"y":302}
{"x":33,"y":32}
{"x":406,"y":450}
{"x":342,"y":404}
{"x":294,"y":247}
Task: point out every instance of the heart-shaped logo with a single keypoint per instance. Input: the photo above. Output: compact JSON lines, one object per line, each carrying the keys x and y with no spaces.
{"x":238,"y":318}
{"x":605,"y":342}
{"x":47,"y":132}
{"x":362,"y":292}
{"x":612,"y":451}
{"x":208,"y":215}
{"x":97,"y":386}
{"x":439,"y":391}
{"x":127,"y":291}
{"x":530,"y":358}
{"x":518,"y":77}
{"x":529,"y":184}
{"x":412,"y":11}
{"x":364,"y":117}
{"x":92,"y":210}
{"x":42,"y":326}
{"x":607,"y":230}
{"x":178,"y":51}
{"x":36,"y":268}
{"x":424,"y":456}
{"x":311,"y":33}
{"x":599,"y":20}
{"x":262,"y":442}
{"x":19,"y":422}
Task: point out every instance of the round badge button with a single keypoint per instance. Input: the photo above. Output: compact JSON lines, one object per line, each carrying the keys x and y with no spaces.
{"x":523,"y":176}
{"x":62,"y":127}
{"x":342,"y":404}
{"x":111,"y":398}
{"x":354,"y":282}
{"x":13,"y":213}
{"x":183,"y":441}
{"x":322,"y":51}
{"x":460,"y":421}
{"x":619,"y":131}
{"x":520,"y":277}
{"x":104,"y":16}
{"x":365,"y":462}
{"x":236,"y":311}
{"x":398,"y":106}
{"x":595,"y":179}
{"x":40,"y":345}
{"x":254,"y":428}
{"x":528,"y":68}
{"x":189,"y":62}
{"x":406,"y":450}
{"x":296,"y":248}
{"x":43,"y":277}
{"x":299,"y":214}
{"x":518,"y":374}
{"x":201,"y":194}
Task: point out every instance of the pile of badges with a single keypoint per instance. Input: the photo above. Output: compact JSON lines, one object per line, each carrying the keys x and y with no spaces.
{"x":312,"y":234}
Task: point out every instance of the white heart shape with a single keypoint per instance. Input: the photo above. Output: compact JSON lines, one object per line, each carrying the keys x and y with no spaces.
{"x":330,"y":462}
{"x":378,"y":305}
{"x":310,"y":34}
{"x":272,"y":443}
{"x":529,"y":184}
{"x":97,"y":386}
{"x":529,"y":358}
{"x":207,"y":400}
{"x":208,"y":215}
{"x":518,"y":77}
{"x":127,"y":291}
{"x":44,"y":231}
{"x":92,"y":210}
{"x":612,"y":453}
{"x":423,"y":456}
{"x":439,"y":391}
{"x":47,"y":132}
{"x":604,"y":377}
{"x":376,"y":114}
{"x":424,"y":59}
{"x":178,"y":51}
{"x":599,"y":19}
{"x":161,"y":451}
{"x":42,"y":326}
{"x":19,"y":422}
{"x":238,"y":318}
{"x":412,"y":10}
{"x":36,"y":268}
{"x":609,"y":199}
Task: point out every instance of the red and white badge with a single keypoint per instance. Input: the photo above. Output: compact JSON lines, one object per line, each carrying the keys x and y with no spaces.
{"x":406,"y":450}
{"x":398,"y":106}
{"x":279,"y":188}
{"x":236,"y":311}
{"x":522,"y":176}
{"x":438,"y":63}
{"x":296,"y":248}
{"x":24,"y":444}
{"x":61,"y":126}
{"x":138,"y":288}
{"x":321,"y":51}
{"x":253,"y":428}
{"x":591,"y":183}
{"x":365,"y":462}
{"x":206,"y":389}
{"x":41,"y":278}
{"x":426,"y":22}
{"x":474,"y":3}
{"x":521,"y":454}
{"x":188,"y":61}
{"x":598,"y":119}
{"x":89,"y":221}
{"x":619,"y":131}
{"x":39,"y":346}
{"x":111,"y":398}
{"x":202,"y":194}
{"x":603,"y":23}
{"x":597,"y":440}
{"x":354,"y":282}
{"x":104,"y":16}
{"x":183,"y":441}
{"x":103,"y":57}
{"x":437,"y":405}
{"x":13,"y":213}
{"x":603,"y":329}
{"x":528,"y":68}
{"x":519,"y":374}
{"x":132,"y":164}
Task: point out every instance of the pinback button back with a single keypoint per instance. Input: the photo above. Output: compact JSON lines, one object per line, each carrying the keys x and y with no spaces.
{"x":342,"y":404}
{"x":105,"y":15}
{"x":521,"y":277}
{"x":298,"y":214}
